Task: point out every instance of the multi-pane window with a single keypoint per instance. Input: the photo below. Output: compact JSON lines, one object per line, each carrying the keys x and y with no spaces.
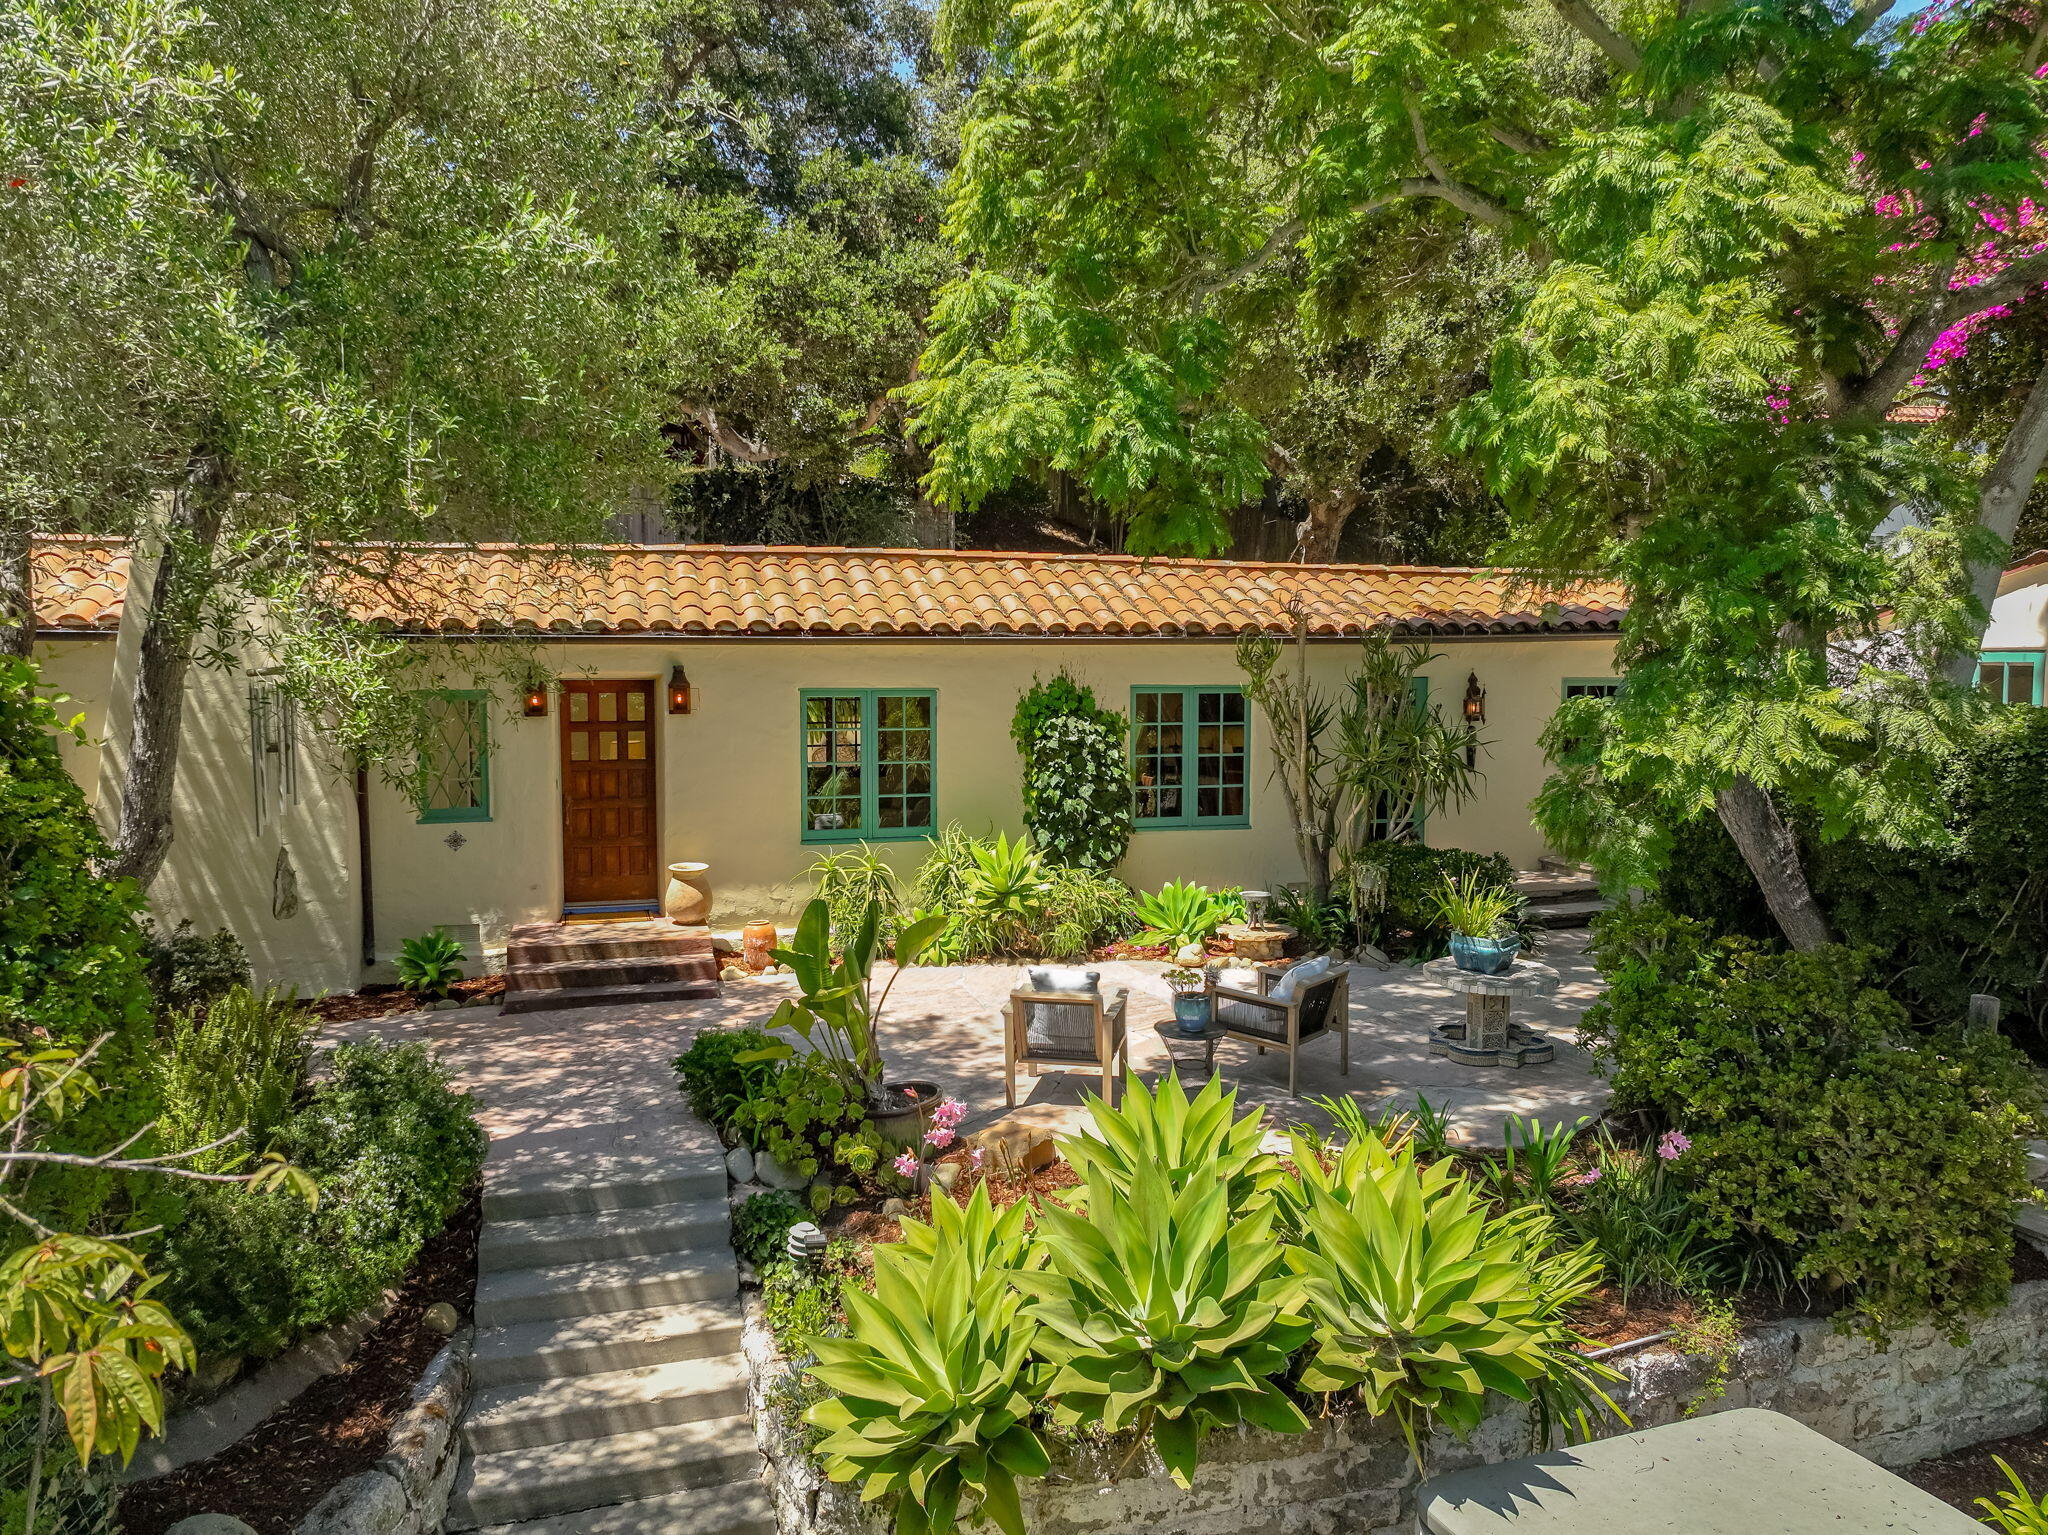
{"x":1591,"y":687}
{"x":455,"y":758}
{"x":1190,"y":755}
{"x":869,"y":760}
{"x":2011,"y":676}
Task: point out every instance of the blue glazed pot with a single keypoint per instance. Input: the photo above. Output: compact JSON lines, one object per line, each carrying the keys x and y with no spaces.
{"x":1191,"y":1012}
{"x":1484,"y":956}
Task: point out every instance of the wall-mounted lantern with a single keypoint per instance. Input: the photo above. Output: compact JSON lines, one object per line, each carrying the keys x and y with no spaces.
{"x":534,"y":703}
{"x":679,"y":691}
{"x":1475,"y":700}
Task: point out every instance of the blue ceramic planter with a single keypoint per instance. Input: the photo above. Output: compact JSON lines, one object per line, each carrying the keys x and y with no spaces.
{"x":1191,"y":1012}
{"x":1484,"y":956}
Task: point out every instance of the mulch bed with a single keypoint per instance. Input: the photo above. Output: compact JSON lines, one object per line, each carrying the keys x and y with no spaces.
{"x":1962,"y":1478}
{"x":336,"y":1427}
{"x":382,"y":1001}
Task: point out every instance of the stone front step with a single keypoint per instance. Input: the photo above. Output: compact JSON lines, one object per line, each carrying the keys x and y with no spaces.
{"x":737,"y":1508}
{"x":513,"y":1485}
{"x":535,"y":1413}
{"x":510,"y":1296}
{"x":1563,"y":914}
{"x":545,"y":943}
{"x":590,"y":974}
{"x":541,"y":1000}
{"x":666,"y":1182}
{"x":616,"y":1340}
{"x":588,"y":1236}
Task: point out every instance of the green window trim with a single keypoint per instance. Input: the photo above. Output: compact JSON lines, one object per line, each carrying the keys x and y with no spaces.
{"x":1188,"y":757}
{"x":2036,"y":660}
{"x":443,"y":774}
{"x":1383,"y":824}
{"x":866,"y":798}
{"x":1595,"y":687}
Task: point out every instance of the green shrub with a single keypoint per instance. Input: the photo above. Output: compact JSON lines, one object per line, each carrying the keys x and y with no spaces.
{"x":235,"y":1066}
{"x":1824,"y":1133}
{"x":810,"y":1120}
{"x":392,"y":1148}
{"x":848,"y":881}
{"x":187,"y":971}
{"x":760,"y":1226}
{"x":72,"y":963}
{"x":1077,"y":793}
{"x":1060,"y":696}
{"x":799,"y":1305}
{"x":430,"y":964}
{"x":1084,"y":911}
{"x":1394,"y":888}
{"x":1179,"y":914}
{"x":714,"y":1078}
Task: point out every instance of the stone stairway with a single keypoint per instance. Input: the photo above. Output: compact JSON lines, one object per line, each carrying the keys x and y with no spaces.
{"x":1560,"y":894}
{"x":591,"y":964}
{"x":611,"y":1396}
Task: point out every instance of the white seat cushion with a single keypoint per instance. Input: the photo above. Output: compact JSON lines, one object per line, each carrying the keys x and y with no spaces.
{"x":1061,"y":978}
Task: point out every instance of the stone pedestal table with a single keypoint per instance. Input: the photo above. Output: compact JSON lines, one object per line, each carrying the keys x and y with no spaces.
{"x":1488,"y":1036}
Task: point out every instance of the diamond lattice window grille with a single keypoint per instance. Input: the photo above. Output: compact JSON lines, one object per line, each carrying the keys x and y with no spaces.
{"x":455,"y":765}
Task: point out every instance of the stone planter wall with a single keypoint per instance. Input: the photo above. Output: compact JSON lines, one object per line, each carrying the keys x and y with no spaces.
{"x":406,"y":1492}
{"x":1354,"y":1475}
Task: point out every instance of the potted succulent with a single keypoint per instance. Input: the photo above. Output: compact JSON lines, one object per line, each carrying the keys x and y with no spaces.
{"x":1190,"y":1001}
{"x":836,"y":1012}
{"x":1479,"y":916}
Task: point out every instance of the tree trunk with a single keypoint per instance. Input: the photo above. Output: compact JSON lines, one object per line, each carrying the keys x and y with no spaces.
{"x":17,"y":594}
{"x":177,"y":605}
{"x":1317,"y":535}
{"x":1767,"y":846}
{"x":2000,"y":500}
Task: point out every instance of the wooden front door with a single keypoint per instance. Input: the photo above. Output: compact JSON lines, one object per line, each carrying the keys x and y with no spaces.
{"x":608,"y":840}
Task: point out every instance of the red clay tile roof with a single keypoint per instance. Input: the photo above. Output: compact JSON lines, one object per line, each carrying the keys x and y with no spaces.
{"x":79,"y":584}
{"x":728,"y":590}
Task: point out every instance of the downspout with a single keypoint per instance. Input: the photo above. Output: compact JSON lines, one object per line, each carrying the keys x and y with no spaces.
{"x":363,"y":861}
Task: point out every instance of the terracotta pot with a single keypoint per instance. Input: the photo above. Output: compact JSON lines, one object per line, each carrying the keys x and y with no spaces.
{"x":687,"y":901}
{"x":757,"y":945}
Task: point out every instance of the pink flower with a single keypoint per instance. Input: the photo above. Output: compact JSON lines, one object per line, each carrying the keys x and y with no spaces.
{"x":907,"y":1164}
{"x":1673,"y":1144}
{"x":938,"y":1135}
{"x":949,"y":1113}
{"x":1589,"y":1177}
{"x":974,"y":1158}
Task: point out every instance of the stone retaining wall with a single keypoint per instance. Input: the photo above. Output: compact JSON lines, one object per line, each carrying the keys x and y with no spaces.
{"x":406,"y":1492}
{"x":1354,"y":1475}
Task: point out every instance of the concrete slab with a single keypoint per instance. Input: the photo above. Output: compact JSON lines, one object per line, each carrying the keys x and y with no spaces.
{"x":1743,"y":1472}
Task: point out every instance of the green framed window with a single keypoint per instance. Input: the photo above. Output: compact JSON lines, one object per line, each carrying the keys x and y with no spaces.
{"x":455,"y":758}
{"x":2011,"y":676}
{"x":1190,"y":757}
{"x":1592,"y":687}
{"x":870,"y":764}
{"x":1401,"y":823}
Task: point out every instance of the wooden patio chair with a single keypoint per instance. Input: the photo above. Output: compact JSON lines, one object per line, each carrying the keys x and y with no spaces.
{"x":1068,"y":1030}
{"x":1304,"y":1012}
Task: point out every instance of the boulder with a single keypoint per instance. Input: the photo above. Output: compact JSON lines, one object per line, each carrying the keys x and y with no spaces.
{"x":775,"y":1175}
{"x":739,"y":1164}
{"x":894,"y":1209}
{"x":441,"y":1318}
{"x":1023,"y":1137}
{"x":209,"y":1524}
{"x":946,"y":1174}
{"x":734,"y":973}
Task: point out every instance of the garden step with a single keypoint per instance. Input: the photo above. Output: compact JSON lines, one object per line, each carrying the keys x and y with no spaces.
{"x":615,"y":1340}
{"x":685,"y":1178}
{"x":532,"y":1413}
{"x":540,"y":943}
{"x":1562,"y":914}
{"x":536,"y":1001}
{"x":736,"y":1508}
{"x":1548,"y":889}
{"x":2032,"y":1223}
{"x":511,"y":1485}
{"x":586,"y":1236}
{"x":588,"y":974}
{"x":509,"y":1296}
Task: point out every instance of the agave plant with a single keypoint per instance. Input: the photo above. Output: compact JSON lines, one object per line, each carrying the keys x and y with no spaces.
{"x":933,"y":1383}
{"x":1163,"y":1307}
{"x":1423,"y":1299}
{"x":1204,"y":1139}
{"x":1008,"y":884}
{"x":1178,"y":914}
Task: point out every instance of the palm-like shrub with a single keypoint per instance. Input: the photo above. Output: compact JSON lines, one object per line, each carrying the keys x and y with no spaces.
{"x":931,"y":1380}
{"x":1423,"y":1299}
{"x":1163,"y":1307}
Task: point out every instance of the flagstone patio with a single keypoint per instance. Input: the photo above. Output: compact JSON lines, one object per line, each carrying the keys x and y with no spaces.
{"x":588,"y":1084}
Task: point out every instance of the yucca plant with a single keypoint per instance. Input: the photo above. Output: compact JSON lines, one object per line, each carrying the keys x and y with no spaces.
{"x":2017,"y":1512}
{"x":1179,"y":914}
{"x":1163,"y":1307}
{"x":1423,"y":1300}
{"x":933,"y":1383}
{"x":1184,"y":1140}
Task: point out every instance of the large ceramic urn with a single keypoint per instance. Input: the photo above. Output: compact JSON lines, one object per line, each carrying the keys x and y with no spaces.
{"x":687,"y":901}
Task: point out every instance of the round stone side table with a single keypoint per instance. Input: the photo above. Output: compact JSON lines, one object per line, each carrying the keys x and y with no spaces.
{"x":1488,"y":1036}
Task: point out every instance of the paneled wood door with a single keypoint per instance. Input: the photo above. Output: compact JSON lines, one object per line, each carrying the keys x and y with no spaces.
{"x":608,"y":786}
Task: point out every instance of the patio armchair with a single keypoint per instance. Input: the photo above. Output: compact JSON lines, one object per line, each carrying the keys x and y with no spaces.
{"x":1061,"y":1018}
{"x":1290,"y":1009}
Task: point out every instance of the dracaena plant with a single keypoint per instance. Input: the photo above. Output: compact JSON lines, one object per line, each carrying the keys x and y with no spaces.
{"x":1423,"y":1299}
{"x":1163,"y":1308}
{"x":934,"y":1382}
{"x":836,"y":1009}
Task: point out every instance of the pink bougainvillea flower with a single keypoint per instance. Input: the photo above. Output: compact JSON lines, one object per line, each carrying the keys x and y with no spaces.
{"x":1673,"y":1144}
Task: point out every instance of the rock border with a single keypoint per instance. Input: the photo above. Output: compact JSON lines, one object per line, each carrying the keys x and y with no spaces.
{"x":406,"y":1492}
{"x":204,"y":1430}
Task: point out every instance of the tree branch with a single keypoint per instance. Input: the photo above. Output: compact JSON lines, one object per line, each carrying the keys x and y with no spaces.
{"x":1591,"y":25}
{"x":2000,"y":499}
{"x":1874,"y":395}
